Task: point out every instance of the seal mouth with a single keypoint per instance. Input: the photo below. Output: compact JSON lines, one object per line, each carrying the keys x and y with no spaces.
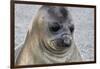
{"x":61,"y":43}
{"x":58,"y":45}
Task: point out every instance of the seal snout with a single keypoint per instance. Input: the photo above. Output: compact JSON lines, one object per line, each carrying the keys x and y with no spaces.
{"x":62,"y":42}
{"x":67,"y":38}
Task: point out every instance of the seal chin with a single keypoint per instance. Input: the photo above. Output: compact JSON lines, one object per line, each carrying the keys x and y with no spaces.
{"x":56,"y":46}
{"x":60,"y":44}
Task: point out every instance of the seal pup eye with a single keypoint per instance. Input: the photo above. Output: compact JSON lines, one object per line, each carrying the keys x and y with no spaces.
{"x":54,"y":27}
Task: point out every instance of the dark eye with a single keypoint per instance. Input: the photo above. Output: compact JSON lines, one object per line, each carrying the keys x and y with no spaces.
{"x":72,"y":28}
{"x":54,"y":27}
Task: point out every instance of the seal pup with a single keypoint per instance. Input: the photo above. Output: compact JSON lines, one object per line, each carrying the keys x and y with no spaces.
{"x":50,"y":39}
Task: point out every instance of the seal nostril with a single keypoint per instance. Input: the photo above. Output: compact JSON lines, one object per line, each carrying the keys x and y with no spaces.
{"x":64,"y":36}
{"x":67,"y":36}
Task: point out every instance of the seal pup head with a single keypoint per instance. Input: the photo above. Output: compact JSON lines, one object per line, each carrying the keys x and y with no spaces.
{"x":53,"y":28}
